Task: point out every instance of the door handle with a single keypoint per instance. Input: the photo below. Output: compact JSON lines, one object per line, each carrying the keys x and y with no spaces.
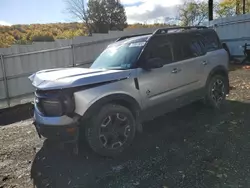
{"x":204,"y":62}
{"x":176,"y":70}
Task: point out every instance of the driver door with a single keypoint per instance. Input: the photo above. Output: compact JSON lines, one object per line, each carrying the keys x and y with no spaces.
{"x":156,"y":85}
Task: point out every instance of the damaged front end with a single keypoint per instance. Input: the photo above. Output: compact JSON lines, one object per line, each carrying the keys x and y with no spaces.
{"x":54,"y":116}
{"x":54,"y":103}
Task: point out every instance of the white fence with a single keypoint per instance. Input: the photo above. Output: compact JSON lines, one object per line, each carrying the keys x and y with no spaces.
{"x":20,"y":61}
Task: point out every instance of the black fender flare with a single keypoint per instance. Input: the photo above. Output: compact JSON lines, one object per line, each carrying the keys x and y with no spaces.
{"x":224,"y":45}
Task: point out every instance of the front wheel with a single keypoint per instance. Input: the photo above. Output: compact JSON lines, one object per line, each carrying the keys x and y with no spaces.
{"x":216,"y":91}
{"x":111,"y":130}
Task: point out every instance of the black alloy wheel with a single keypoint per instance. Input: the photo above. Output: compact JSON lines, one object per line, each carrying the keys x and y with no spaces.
{"x":216,"y":91}
{"x":114,"y":130}
{"x":111,"y":130}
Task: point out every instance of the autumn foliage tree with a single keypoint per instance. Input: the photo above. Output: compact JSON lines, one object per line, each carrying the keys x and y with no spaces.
{"x":26,"y":34}
{"x":42,"y":37}
{"x":195,"y":12}
{"x":227,"y":8}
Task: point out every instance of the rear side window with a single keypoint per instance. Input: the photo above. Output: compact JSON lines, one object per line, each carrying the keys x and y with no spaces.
{"x":211,"y":41}
{"x":188,"y":46}
{"x":197,"y":46}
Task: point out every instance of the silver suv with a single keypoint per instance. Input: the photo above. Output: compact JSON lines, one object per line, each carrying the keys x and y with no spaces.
{"x":135,"y":79}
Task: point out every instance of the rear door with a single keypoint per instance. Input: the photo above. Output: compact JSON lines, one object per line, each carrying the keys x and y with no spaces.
{"x":189,"y":57}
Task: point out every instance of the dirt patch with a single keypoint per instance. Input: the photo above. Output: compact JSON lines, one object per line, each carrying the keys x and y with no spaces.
{"x":191,"y":147}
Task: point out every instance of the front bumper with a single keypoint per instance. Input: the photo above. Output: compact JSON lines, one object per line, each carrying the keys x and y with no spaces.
{"x":62,"y":128}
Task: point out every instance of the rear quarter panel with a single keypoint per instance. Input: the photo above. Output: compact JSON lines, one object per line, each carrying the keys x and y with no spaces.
{"x":215,"y":58}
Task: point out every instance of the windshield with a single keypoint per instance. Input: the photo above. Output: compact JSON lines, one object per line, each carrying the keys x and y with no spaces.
{"x":119,"y":56}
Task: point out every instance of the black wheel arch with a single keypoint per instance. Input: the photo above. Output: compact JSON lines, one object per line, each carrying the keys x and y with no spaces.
{"x":224,"y":45}
{"x":120,"y":99}
{"x":219,"y":70}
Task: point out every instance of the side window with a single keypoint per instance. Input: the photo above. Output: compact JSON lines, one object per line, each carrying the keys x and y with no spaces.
{"x":197,"y":47}
{"x":161,"y":47}
{"x":188,"y":46}
{"x":211,"y":41}
{"x":163,"y":51}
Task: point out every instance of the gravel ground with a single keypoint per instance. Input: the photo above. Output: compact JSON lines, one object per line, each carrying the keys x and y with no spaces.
{"x":192,"y":147}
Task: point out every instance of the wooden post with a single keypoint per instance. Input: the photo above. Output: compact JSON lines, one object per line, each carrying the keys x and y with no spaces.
{"x":237,"y":7}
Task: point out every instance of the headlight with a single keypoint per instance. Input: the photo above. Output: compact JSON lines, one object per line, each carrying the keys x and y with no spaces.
{"x":55,"y":103}
{"x":52,"y":107}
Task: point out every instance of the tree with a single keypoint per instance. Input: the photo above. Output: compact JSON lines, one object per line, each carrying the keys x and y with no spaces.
{"x":239,"y":6}
{"x":79,"y":11}
{"x":117,"y":18}
{"x":227,"y":8}
{"x":6,"y":40}
{"x":42,"y":37}
{"x":98,"y":16}
{"x":106,"y":15}
{"x":193,"y":12}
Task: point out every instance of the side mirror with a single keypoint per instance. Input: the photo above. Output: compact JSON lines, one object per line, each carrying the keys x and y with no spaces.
{"x":154,"y":63}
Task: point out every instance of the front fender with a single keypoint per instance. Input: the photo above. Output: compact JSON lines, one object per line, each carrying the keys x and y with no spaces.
{"x":118,"y":91}
{"x":122,"y":99}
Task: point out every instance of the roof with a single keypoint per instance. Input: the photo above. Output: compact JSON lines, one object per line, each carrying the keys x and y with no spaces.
{"x":162,"y":31}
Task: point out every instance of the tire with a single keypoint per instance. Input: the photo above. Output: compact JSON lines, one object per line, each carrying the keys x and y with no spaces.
{"x":112,"y":123}
{"x":212,"y":99}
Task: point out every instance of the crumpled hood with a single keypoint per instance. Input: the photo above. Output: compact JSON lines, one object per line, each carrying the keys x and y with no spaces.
{"x":74,"y":77}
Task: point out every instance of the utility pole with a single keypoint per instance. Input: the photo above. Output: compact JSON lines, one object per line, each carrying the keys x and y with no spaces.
{"x":244,"y":6}
{"x":210,"y":10}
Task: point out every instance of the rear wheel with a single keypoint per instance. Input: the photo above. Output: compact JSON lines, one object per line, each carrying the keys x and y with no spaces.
{"x":216,"y":91}
{"x":111,"y":130}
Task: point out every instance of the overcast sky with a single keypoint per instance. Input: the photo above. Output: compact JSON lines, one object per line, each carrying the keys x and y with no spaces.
{"x":51,"y":11}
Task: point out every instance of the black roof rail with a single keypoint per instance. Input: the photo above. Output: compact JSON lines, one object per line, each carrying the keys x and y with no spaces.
{"x":130,"y":36}
{"x":162,"y":31}
{"x":165,"y":30}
